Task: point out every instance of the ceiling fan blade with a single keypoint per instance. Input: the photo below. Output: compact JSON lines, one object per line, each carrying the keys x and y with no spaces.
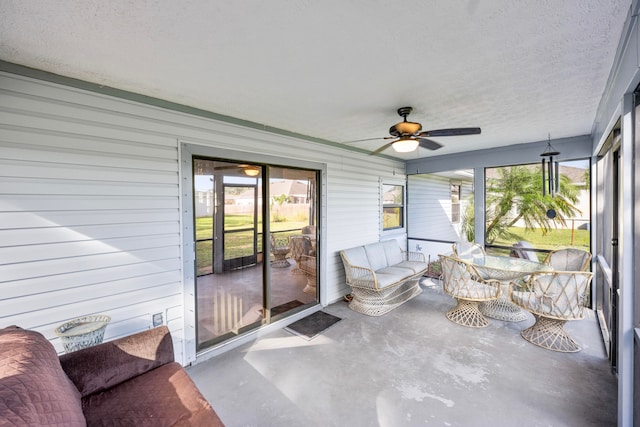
{"x":429,"y":144}
{"x":381,"y":149}
{"x":231,"y":167}
{"x":450,"y":132}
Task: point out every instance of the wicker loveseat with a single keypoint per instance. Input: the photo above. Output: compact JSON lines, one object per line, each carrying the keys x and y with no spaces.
{"x":382,"y":276}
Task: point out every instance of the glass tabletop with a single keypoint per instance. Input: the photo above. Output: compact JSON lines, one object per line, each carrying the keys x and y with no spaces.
{"x":506,"y":268}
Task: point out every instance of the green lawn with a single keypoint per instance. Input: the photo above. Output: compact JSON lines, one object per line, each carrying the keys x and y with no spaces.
{"x":554,"y":239}
{"x":239,"y":243}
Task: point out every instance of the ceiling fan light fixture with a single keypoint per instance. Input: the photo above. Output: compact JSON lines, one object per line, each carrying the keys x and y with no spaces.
{"x":405,"y":145}
{"x":251,"y":171}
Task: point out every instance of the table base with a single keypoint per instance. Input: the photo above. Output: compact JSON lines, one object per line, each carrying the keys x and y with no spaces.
{"x":502,"y":309}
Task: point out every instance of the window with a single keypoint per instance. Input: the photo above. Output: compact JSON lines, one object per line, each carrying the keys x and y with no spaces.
{"x":517,"y":210}
{"x":455,"y":203}
{"x":392,"y":206}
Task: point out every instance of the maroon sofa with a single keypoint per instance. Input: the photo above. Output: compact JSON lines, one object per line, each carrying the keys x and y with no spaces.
{"x":131,"y":381}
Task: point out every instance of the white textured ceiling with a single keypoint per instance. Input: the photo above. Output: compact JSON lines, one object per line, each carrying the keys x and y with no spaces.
{"x":339,"y":69}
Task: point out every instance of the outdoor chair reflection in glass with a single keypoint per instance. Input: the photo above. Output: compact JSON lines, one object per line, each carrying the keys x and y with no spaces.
{"x":300,"y":245}
{"x":553,"y":299}
{"x":307,"y":265}
{"x":280,"y":248}
{"x":309,"y":229}
{"x":461,"y":280}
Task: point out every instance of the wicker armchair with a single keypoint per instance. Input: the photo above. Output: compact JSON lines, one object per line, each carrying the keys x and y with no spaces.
{"x":279,"y":249}
{"x":569,"y":259}
{"x":523,"y":250}
{"x":462,"y":281}
{"x":467,"y":250}
{"x":553,"y":299}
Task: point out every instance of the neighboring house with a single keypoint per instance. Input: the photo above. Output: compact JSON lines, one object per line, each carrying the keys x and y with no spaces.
{"x":297,"y":191}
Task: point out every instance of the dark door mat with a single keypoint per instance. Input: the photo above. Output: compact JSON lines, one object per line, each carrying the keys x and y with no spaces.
{"x":279,"y":309}
{"x":313,"y":325}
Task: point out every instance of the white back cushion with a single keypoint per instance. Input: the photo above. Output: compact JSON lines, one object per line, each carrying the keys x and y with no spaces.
{"x":376,"y":255}
{"x":357,"y":257}
{"x":392,"y":251}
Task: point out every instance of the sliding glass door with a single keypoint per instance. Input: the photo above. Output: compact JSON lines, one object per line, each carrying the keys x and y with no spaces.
{"x":255,"y":261}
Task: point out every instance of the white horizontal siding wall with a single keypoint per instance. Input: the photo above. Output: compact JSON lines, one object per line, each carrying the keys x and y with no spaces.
{"x":429,"y":214}
{"x":90,"y":206}
{"x":88,"y":214}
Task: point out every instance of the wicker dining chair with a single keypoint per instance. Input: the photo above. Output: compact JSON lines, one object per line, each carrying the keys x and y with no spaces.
{"x":280,"y":248}
{"x":461,"y":280}
{"x":553,"y":298}
{"x":569,"y":259}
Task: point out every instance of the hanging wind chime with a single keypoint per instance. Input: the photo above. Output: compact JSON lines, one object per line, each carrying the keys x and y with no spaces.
{"x":550,"y":174}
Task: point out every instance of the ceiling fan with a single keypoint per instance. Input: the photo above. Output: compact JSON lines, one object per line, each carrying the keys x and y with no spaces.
{"x":409,"y":135}
{"x":249,"y":170}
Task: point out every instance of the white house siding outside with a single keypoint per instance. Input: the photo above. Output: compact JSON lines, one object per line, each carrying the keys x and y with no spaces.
{"x":429,"y":214}
{"x":90,"y":207}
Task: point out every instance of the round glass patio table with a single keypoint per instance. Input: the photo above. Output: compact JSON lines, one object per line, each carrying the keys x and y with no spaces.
{"x":505,"y":269}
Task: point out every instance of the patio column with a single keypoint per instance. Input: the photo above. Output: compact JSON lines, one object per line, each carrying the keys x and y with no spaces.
{"x":478,"y":203}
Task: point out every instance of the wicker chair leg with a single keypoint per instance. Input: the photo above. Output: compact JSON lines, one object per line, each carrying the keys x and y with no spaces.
{"x":466,"y":313}
{"x":310,"y":287}
{"x":550,"y":334}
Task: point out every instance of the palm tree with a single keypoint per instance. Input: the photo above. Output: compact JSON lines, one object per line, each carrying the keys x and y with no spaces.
{"x":516,"y":195}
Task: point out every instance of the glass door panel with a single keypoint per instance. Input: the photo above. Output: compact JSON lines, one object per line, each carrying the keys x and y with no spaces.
{"x":230,"y":277}
{"x":293,"y":219}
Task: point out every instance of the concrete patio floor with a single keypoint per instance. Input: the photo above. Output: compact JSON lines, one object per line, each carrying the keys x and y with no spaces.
{"x":412,"y":367}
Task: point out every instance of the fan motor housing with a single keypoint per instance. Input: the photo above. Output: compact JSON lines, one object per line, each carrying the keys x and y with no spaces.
{"x":405,"y":129}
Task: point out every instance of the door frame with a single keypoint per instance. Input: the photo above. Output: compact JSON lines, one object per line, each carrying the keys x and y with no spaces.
{"x":220,"y":232}
{"x":186,"y":153}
